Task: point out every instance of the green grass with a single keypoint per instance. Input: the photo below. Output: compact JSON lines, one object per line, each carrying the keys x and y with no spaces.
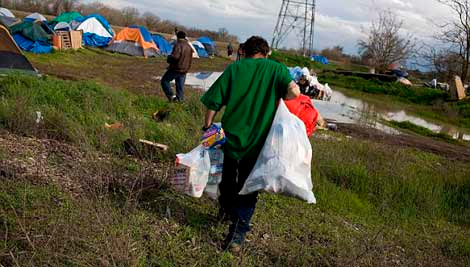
{"x":422,"y":131}
{"x":376,"y":204}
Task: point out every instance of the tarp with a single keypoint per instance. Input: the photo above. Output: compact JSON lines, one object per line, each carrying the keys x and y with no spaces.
{"x":38,"y":47}
{"x":162,"y":44}
{"x":145,"y":33}
{"x":209,"y":45}
{"x":33,"y":30}
{"x":63,"y":26}
{"x":5,"y":12}
{"x":9,"y":21}
{"x":100,"y":19}
{"x":11,"y":57}
{"x":94,"y":33}
{"x":201,"y":50}
{"x":131,"y":41}
{"x":35,"y":16}
{"x":66,"y":17}
{"x":321,"y":59}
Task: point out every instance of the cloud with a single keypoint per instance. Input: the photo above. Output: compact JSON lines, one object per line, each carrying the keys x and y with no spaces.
{"x":338,"y":22}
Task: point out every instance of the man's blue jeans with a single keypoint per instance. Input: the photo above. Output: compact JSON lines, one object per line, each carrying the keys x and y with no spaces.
{"x":179,"y":79}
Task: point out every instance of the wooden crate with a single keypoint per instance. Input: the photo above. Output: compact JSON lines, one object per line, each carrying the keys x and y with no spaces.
{"x":69,"y":39}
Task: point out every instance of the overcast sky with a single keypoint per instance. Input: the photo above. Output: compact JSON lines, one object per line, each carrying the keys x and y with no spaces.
{"x":338,"y":22}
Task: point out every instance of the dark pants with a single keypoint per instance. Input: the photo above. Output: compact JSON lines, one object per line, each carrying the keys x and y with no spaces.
{"x":179,"y":78}
{"x":240,"y":207}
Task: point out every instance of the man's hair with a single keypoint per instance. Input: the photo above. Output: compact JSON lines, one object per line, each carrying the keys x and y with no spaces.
{"x":255,"y":45}
{"x":181,"y":35}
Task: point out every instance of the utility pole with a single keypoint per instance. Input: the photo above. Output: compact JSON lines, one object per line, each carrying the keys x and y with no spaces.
{"x":296,"y":17}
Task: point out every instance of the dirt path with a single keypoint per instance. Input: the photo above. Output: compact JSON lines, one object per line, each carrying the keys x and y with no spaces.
{"x":459,"y":152}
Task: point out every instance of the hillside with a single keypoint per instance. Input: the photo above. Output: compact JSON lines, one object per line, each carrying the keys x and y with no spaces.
{"x":70,"y":194}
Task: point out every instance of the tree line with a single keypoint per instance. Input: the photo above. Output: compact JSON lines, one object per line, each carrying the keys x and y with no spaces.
{"x":120,"y":17}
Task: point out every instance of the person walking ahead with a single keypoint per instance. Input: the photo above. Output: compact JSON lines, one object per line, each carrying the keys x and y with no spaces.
{"x":180,"y":62}
{"x":250,"y":90}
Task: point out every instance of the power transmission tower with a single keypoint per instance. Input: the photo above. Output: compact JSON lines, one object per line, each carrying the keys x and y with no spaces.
{"x":296,"y":17}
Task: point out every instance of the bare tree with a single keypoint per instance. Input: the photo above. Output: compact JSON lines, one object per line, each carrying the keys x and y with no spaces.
{"x":456,"y":35}
{"x":150,"y":20}
{"x":130,"y":15}
{"x":386,"y":44}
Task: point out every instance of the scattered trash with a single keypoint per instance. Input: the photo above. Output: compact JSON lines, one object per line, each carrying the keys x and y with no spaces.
{"x":39,"y":117}
{"x":160,"y":115}
{"x":404,"y":81}
{"x":154,"y":145}
{"x":114,"y":126}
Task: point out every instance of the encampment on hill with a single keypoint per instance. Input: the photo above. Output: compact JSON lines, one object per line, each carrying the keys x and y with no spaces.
{"x":96,"y":30}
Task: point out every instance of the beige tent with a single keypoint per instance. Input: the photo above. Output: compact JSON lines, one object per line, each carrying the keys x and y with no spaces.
{"x":11,"y":57}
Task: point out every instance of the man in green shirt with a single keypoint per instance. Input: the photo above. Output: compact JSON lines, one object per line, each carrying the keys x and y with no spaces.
{"x":249,"y":90}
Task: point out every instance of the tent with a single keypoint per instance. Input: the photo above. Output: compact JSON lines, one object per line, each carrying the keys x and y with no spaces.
{"x":209,"y":45}
{"x":134,"y":41}
{"x":9,"y":21}
{"x":35,"y":16}
{"x":321,"y":59}
{"x":99,"y":18}
{"x":201,"y":51}
{"x":66,"y":17}
{"x":95,"y":34}
{"x":162,"y":44}
{"x":11,"y":57}
{"x":62,"y":26}
{"x":6,"y":13}
{"x":195,"y":55}
{"x":33,"y":36}
{"x":33,"y":30}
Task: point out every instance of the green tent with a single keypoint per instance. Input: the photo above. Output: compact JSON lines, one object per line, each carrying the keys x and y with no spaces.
{"x":66,"y":17}
{"x":33,"y":30}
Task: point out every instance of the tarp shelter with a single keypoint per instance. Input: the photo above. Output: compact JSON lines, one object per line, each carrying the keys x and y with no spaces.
{"x":134,"y":41}
{"x":62,"y":26}
{"x":9,"y":21}
{"x":11,"y":57}
{"x":33,"y":30}
{"x":101,"y":19}
{"x":162,"y":44}
{"x":66,"y":17}
{"x":201,"y":51}
{"x":209,"y":45}
{"x":35,"y":16}
{"x":321,"y":59}
{"x":95,"y":34}
{"x":5,"y":12}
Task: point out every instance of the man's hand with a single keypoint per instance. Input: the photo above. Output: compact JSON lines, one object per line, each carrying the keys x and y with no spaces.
{"x":293,"y":91}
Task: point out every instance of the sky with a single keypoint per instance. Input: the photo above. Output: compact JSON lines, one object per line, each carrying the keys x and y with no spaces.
{"x":338,"y":22}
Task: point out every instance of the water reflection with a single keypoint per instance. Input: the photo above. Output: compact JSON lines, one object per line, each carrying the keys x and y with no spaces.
{"x":344,"y":109}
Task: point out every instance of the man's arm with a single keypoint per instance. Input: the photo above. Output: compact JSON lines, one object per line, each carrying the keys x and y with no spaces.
{"x":293,"y":91}
{"x":209,"y":119}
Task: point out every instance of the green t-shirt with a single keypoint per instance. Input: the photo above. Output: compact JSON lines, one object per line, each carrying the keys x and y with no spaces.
{"x":249,"y":89}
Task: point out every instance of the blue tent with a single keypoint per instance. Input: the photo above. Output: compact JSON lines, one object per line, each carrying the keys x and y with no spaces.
{"x":202,"y":53}
{"x":321,"y":59}
{"x":38,"y":47}
{"x":162,"y":44}
{"x":209,"y":45}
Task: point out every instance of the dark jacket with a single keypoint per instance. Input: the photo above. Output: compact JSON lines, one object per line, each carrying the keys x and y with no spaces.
{"x":181,"y":58}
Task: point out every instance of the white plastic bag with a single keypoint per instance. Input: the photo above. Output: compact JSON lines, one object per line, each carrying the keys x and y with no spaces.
{"x":192,"y":172}
{"x":215,"y":175}
{"x":284,"y":165}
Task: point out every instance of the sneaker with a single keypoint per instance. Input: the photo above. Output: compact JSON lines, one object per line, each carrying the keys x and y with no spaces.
{"x":234,"y":243}
{"x":174,"y":99}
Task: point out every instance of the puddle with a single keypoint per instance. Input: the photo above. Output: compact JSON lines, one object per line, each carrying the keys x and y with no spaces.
{"x":344,"y":109}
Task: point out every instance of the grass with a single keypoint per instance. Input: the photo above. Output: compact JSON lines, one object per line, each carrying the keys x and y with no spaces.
{"x":377,"y":205}
{"x":422,"y":131}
